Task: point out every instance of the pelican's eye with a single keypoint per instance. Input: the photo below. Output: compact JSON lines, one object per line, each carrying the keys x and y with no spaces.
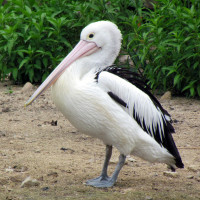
{"x":90,"y":36}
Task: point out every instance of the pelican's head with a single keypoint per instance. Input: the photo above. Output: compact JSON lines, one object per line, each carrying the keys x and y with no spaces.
{"x":107,"y":38}
{"x":99,"y":44}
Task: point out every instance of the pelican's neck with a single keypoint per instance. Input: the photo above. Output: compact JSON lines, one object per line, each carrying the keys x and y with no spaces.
{"x":99,"y":60}
{"x":75,"y":72}
{"x":67,"y":83}
{"x":84,"y":65}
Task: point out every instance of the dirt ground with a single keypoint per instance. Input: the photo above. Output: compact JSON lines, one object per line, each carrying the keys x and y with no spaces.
{"x":39,"y":143}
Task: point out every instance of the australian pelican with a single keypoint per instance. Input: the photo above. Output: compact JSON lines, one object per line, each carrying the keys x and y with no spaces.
{"x":110,"y":103}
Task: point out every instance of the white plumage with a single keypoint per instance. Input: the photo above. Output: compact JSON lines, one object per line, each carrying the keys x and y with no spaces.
{"x":104,"y":105}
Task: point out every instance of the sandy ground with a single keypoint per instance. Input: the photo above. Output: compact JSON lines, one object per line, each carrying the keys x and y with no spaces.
{"x":38,"y":142}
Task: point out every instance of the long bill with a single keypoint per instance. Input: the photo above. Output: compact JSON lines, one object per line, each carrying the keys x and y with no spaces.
{"x":83,"y":48}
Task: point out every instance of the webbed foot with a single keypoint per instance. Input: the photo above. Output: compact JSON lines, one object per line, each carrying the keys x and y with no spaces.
{"x":101,"y":182}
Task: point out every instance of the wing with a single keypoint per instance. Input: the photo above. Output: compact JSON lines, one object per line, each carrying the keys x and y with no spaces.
{"x":133,"y":95}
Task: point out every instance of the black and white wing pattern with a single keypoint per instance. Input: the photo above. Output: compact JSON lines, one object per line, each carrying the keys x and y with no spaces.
{"x":129,"y":91}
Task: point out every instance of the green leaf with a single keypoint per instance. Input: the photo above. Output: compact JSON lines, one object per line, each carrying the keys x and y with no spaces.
{"x":192,"y":91}
{"x":28,"y":10}
{"x":20,"y":54}
{"x":44,"y":76}
{"x":171,"y":70}
{"x":177,"y":79}
{"x":10,"y":46}
{"x":160,"y":30}
{"x":31,"y":74}
{"x":45,"y":61}
{"x":15,"y":73}
{"x":43,"y":15}
{"x":196,"y":64}
{"x":26,"y":26}
{"x":94,"y":7}
{"x":24,"y":61}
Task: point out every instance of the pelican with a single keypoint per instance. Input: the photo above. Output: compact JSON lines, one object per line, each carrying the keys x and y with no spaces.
{"x":110,"y":103}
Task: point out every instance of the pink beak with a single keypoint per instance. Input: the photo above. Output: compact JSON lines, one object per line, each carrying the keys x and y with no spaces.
{"x":83,"y":48}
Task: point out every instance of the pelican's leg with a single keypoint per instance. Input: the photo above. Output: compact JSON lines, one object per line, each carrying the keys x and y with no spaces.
{"x":103,"y":180}
{"x":106,"y":161}
{"x":104,"y":174}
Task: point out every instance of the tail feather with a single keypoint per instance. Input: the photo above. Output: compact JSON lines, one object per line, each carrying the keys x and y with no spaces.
{"x":170,"y":145}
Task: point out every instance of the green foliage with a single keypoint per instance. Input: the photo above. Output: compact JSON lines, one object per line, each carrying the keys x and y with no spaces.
{"x":35,"y":35}
{"x":167,"y":44}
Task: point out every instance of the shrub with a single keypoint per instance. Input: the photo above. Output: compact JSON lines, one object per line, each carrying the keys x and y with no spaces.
{"x":167,"y":45}
{"x":35,"y":35}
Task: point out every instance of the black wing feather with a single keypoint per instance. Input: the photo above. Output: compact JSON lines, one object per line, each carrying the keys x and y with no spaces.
{"x":139,"y":82}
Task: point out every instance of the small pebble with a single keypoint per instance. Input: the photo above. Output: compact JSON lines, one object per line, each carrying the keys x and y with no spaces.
{"x":7,"y":109}
{"x":126,"y":59}
{"x":114,"y":161}
{"x":20,"y":168}
{"x":9,"y":169}
{"x":54,"y":123}
{"x":131,"y":159}
{"x":190,"y":177}
{"x":2,"y":134}
{"x":166,"y":96}
{"x":54,"y":174}
{"x":67,"y":150}
{"x":45,"y":188}
{"x":27,"y":87}
{"x":171,"y":174}
{"x":148,"y":198}
{"x":37,"y":151}
{"x":29,"y":182}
